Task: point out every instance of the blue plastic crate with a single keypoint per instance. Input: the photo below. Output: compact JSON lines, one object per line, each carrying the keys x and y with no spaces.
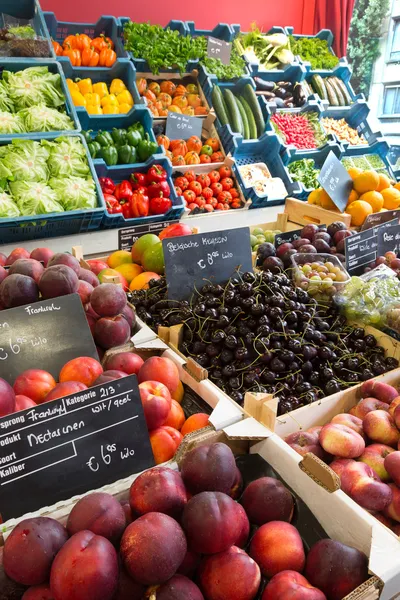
{"x":120,"y":173}
{"x":380,"y":147}
{"x":55,"y":224}
{"x":122,"y":69}
{"x":96,"y":123}
{"x":222,"y":31}
{"x":106,"y":25}
{"x":324,"y":34}
{"x":204,"y":73}
{"x":341,"y":72}
{"x":357,"y":117}
{"x":21,"y":64}
{"x":27,"y":10}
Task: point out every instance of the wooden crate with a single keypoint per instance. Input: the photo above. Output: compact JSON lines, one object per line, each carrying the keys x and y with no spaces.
{"x":303,"y":213}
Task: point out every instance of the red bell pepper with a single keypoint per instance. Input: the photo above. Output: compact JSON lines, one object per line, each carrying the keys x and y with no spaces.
{"x":155,"y":174}
{"x":139,"y":204}
{"x":137,"y":180}
{"x":142,"y":190}
{"x":160,"y":205}
{"x":159,"y":189}
{"x":123,"y":191}
{"x":126,"y":209}
{"x":112,"y":204}
{"x":107,"y":185}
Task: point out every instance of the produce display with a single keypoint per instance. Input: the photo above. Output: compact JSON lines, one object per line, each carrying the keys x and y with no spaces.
{"x":239,"y":110}
{"x":191,"y":151}
{"x":343,"y":131}
{"x":315,"y":51}
{"x":284,"y":94}
{"x":330,"y":89}
{"x":365,"y":162}
{"x":271,"y":51}
{"x":301,"y":130}
{"x":87,"y":52}
{"x":121,"y":146}
{"x":19,"y":39}
{"x":322,"y":276}
{"x":98,"y":98}
{"x":260,"y":236}
{"x":171,"y":96}
{"x":305,"y":172}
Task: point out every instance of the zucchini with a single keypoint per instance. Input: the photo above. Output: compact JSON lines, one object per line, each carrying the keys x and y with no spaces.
{"x":250,"y":119}
{"x":319,"y":86}
{"x":330,"y":90}
{"x":219,"y":105}
{"x":246,"y":129}
{"x":252,"y":101}
{"x":344,"y":90}
{"x":338,"y":91}
{"x":235,"y":119}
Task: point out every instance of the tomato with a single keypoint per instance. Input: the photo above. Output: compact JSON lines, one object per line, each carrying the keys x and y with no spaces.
{"x":214,"y":143}
{"x":225,"y":171}
{"x":182,"y":182}
{"x":227,"y":183}
{"x":207,"y":193}
{"x":194,"y":144}
{"x":190,"y":176}
{"x":226,"y":207}
{"x":206,"y":150}
{"x":236,"y":205}
{"x":189,"y":196}
{"x":168,"y":87}
{"x":180,"y":101}
{"x":214,"y":176}
{"x":155,"y":88}
{"x":162,"y":140}
{"x":217,"y":188}
{"x":217,"y":157}
{"x":192,"y":158}
{"x":179,"y":149}
{"x":204,"y":180}
{"x":192,"y":206}
{"x":234,"y":193}
{"x":200,"y":201}
{"x":224,"y":197}
{"x":208,"y":208}
{"x":213,"y":202}
{"x":178,"y":190}
{"x":180,"y":90}
{"x":219,"y":206}
{"x":195,"y":186}
{"x":178,"y":161}
{"x":205,"y":159}
{"x":150,"y":95}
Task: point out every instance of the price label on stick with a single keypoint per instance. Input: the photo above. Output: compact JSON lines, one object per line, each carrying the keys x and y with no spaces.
{"x":72,"y":445}
{"x":193,"y":260}
{"x":44,"y":335}
{"x":219,"y":49}
{"x":183,"y":126}
{"x":336,"y":181}
{"x":288,"y":237}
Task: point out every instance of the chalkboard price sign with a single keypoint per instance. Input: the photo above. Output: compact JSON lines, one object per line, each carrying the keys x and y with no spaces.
{"x":389,"y":240}
{"x":219,"y":49}
{"x":287,"y":237}
{"x":191,"y":260}
{"x":362,"y":249}
{"x":44,"y":335}
{"x":379,"y":218}
{"x":72,"y":445}
{"x":183,"y":126}
{"x":336,"y":181}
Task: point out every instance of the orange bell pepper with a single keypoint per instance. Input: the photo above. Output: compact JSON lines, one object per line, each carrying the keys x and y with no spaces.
{"x":57,"y":48}
{"x":100,"y":43}
{"x":90,"y":58}
{"x":82,"y":41}
{"x":70,"y":42}
{"x":74,"y":56}
{"x":107,"y":57}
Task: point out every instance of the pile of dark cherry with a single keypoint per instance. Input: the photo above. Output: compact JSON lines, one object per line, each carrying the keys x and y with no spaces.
{"x":259,"y":333}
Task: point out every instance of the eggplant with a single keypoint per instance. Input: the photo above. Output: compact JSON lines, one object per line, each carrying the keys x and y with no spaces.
{"x":299,"y":95}
{"x":288,"y":85}
{"x":268,"y":95}
{"x":267,"y":86}
{"x":281,"y":92}
{"x":279,"y":103}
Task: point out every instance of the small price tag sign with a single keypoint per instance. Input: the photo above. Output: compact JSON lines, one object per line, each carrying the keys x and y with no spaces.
{"x":380,"y":218}
{"x":219,"y":49}
{"x":288,"y":237}
{"x":363,"y":248}
{"x":183,"y":126}
{"x":336,"y":181}
{"x":389,"y":240}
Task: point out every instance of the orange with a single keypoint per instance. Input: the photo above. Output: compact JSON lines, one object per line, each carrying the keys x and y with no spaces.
{"x":354,"y":172}
{"x":359,"y":211}
{"x":194,"y":423}
{"x":368,"y":181}
{"x":384,"y":182}
{"x":353,"y":196}
{"x":397,"y":186}
{"x":325,"y":201}
{"x":375,"y":199}
{"x":129,"y":271}
{"x":118,"y":258}
{"x":313,"y":198}
{"x":391,"y":198}
{"x":141,"y":282}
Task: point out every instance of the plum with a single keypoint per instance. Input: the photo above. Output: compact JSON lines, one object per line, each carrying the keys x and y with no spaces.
{"x":286,"y":258}
{"x":230,"y":574}
{"x":86,"y":275}
{"x":243,"y":538}
{"x":341,"y":235}
{"x":27,"y":266}
{"x":110,"y":375}
{"x":179,"y":587}
{"x":111,"y":331}
{"x":9,"y":589}
{"x":300,"y":242}
{"x":322,"y":235}
{"x":91,"y":322}
{"x":38,"y":592}
{"x":30,"y":549}
{"x":7,"y":398}
{"x":267,"y":499}
{"x":307,"y":249}
{"x":158,"y":490}
{"x":335,"y":227}
{"x":237,"y":487}
{"x":310,"y":231}
{"x":209,"y":468}
{"x":129,"y":314}
{"x":43,"y":255}
{"x":322,"y":246}
{"x":86,"y":567}
{"x":127,"y":588}
{"x":100,"y":513}
{"x":265,"y":250}
{"x":283,"y":248}
{"x":273,"y":264}
{"x":65,"y":259}
{"x":17,"y":290}
{"x":189,"y":564}
{"x":58,"y":280}
{"x":108,"y":300}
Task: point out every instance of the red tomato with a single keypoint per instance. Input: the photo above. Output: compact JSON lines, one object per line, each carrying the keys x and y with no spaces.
{"x":200,"y":201}
{"x":189,"y":196}
{"x":236,"y":205}
{"x":217,"y":188}
{"x":195,"y":186}
{"x":205,"y":159}
{"x":224,"y":197}
{"x":213,"y":202}
{"x":225,"y":172}
{"x":226,"y":207}
{"x":227,"y":183}
{"x":178,"y":190}
{"x":207,"y":193}
{"x":214,"y":176}
{"x":234,"y":193}
{"x":217,"y":157}
{"x":190,"y":176}
{"x":204,"y":180}
{"x":219,"y":206}
{"x":182,"y":182}
{"x":208,"y":208}
{"x":192,"y":206}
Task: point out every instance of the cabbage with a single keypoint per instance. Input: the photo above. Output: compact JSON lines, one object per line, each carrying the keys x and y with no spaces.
{"x":75,"y":193}
{"x":27,"y":160}
{"x":11,"y":123}
{"x":5,"y":103}
{"x":8,"y":208}
{"x":67,"y":157}
{"x":33,"y":86}
{"x":42,"y":118}
{"x":35,"y":198}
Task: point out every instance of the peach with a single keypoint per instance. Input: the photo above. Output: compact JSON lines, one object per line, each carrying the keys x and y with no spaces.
{"x":3,"y":273}
{"x":58,"y":280}
{"x":43,"y":255}
{"x":127,"y":588}
{"x":38,"y":592}
{"x":110,"y":375}
{"x":350,"y":421}
{"x":129,"y":362}
{"x":97,"y":265}
{"x":35,"y":384}
{"x":230,"y":574}
{"x":3,"y":259}
{"x":17,"y":290}
{"x":209,"y":468}
{"x":378,"y":389}
{"x":119,"y":257}
{"x":65,"y":389}
{"x":336,"y":569}
{"x":189,"y":564}
{"x":392,"y":466}
{"x":22,"y":402}
{"x":108,"y":300}
{"x":65,"y":259}
{"x":267,"y":499}
{"x":392,"y":510}
{"x":362,"y":484}
{"x":152,"y":548}
{"x":158,"y":368}
{"x":393,"y":405}
{"x":374,"y":455}
{"x":86,"y":567}
{"x":164,"y":443}
{"x":243,"y":538}
{"x":84,"y":369}
{"x":16,"y":254}
{"x":341,"y":441}
{"x":84,"y":290}
{"x":179,"y":587}
{"x":100,"y":513}
{"x":237,"y":487}
{"x":380,"y":427}
{"x":7,"y":398}
{"x":194,"y":423}
{"x":89,"y":276}
{"x":212,"y":522}
{"x":129,"y":314}
{"x":176,"y":416}
{"x":396,"y":416}
{"x":158,"y":490}
{"x":110,"y":332}
{"x":27,"y":266}
{"x":305,"y":441}
{"x":30,"y":549}
{"x":156,"y":402}
{"x":277,"y":546}
{"x":293,"y":585}
{"x":316,"y":429}
{"x":368,"y":405}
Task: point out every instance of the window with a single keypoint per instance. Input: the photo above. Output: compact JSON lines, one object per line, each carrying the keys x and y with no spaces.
{"x":391,"y":100}
{"x":395,"y":49}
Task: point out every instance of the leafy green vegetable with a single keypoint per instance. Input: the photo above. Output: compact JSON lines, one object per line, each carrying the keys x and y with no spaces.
{"x":23,"y":32}
{"x":75,"y":192}
{"x":304,"y":171}
{"x":43,"y":118}
{"x":6,"y":103}
{"x":11,"y":123}
{"x":67,"y":157}
{"x":273,"y":51}
{"x":234,"y":70}
{"x":35,"y":198}
{"x":315,"y":51}
{"x":8,"y":208}
{"x":32,"y":86}
{"x":27,"y":160}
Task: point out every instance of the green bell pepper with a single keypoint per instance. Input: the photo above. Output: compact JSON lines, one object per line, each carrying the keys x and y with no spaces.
{"x":133,"y":138}
{"x":87,"y":135}
{"x":138,"y":127}
{"x":109,"y":155}
{"x":118,"y":136}
{"x":146,"y":148}
{"x":126,"y":155}
{"x":94,"y":147}
{"x":104,"y":139}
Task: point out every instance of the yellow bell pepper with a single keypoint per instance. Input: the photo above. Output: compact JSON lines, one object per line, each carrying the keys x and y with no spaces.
{"x":117,"y":86}
{"x":125,"y":108}
{"x":125,"y":98}
{"x":110,"y":99}
{"x":85,"y":86}
{"x":72,"y":86}
{"x":78,"y":99}
{"x":100,"y":89}
{"x":93,"y":99}
{"x":94,"y":110}
{"x":111,"y":109}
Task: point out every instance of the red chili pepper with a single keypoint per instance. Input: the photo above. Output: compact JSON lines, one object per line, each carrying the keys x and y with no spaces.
{"x":123,"y":191}
{"x":155,"y":174}
{"x":297,"y":129}
{"x":138,"y":179}
{"x":112,"y":204}
{"x":156,"y":190}
{"x":107,"y":185}
{"x":139,"y":204}
{"x":160,"y":205}
{"x":126,"y":209}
